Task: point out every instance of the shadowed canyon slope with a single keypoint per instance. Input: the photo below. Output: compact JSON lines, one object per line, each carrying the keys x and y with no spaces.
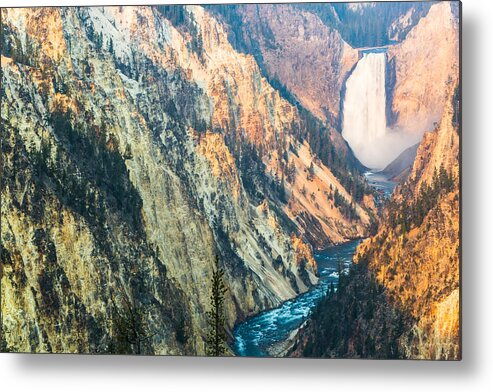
{"x":136,"y":147}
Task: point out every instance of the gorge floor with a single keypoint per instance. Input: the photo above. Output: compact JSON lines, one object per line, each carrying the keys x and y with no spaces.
{"x":257,"y":336}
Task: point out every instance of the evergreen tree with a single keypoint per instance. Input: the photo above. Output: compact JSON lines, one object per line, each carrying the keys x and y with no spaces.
{"x":130,"y":328}
{"x":291,"y":172}
{"x":340,"y":271}
{"x":282,"y":191}
{"x":216,"y":337}
{"x":331,"y":290}
{"x":110,"y":46}
{"x":311,"y":172}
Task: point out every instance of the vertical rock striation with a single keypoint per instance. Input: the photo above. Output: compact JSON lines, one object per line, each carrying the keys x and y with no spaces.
{"x":401,"y":299}
{"x":426,"y":65}
{"x":135,"y":149}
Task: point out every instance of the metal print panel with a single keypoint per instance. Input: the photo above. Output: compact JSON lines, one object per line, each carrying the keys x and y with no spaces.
{"x":271,"y":180}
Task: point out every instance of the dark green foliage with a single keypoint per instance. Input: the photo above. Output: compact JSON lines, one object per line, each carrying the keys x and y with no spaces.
{"x":216,"y":336}
{"x":184,"y":21}
{"x":85,"y":172}
{"x":283,"y":90}
{"x":354,"y":321}
{"x":110,"y":46}
{"x":174,"y":13}
{"x":412,"y":215}
{"x":369,"y":26}
{"x":344,"y":166}
{"x":311,"y":172}
{"x":373,"y":227}
{"x":283,"y":197}
{"x":291,"y":172}
{"x":4,"y":347}
{"x":347,"y":209}
{"x":257,"y":183}
{"x":178,"y":98}
{"x":230,"y":15}
{"x":98,"y":40}
{"x":252,"y":171}
{"x":92,"y":154}
{"x":130,"y":330}
{"x":456,"y":102}
{"x":11,"y":46}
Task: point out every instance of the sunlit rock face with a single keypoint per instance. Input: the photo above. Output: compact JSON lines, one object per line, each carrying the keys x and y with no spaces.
{"x":419,"y":266}
{"x":126,"y":171}
{"x":424,"y":66}
{"x":308,"y":57}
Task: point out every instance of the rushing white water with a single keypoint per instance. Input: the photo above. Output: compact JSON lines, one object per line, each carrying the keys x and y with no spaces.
{"x":364,"y":108}
{"x":257,"y":335}
{"x":365,"y":121}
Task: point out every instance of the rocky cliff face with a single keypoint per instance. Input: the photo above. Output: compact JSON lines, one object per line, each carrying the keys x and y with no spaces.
{"x":137,"y":146}
{"x":398,"y":170}
{"x":426,"y":65}
{"x":401,"y":298}
{"x":309,"y":58}
{"x":415,"y":255}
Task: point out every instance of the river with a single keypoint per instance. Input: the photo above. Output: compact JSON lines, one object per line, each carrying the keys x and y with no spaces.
{"x":257,"y":334}
{"x":380,"y":183}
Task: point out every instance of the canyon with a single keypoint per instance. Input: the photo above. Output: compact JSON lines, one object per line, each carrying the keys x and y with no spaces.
{"x":135,"y":152}
{"x":401,"y":297}
{"x":139,"y":143}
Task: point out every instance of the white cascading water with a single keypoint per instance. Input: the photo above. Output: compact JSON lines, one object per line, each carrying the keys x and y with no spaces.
{"x":365,"y":122}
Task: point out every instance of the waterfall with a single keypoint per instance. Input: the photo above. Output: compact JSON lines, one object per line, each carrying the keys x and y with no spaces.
{"x":364,"y":110}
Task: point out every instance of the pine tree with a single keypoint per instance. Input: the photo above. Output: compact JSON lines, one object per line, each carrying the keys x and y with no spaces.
{"x":291,"y":172}
{"x":130,"y":327}
{"x":311,"y":172}
{"x":128,"y":153}
{"x":216,"y":337}
{"x":110,"y":46}
{"x":282,"y":190}
{"x":331,"y":290}
{"x":340,"y":271}
{"x":4,"y":348}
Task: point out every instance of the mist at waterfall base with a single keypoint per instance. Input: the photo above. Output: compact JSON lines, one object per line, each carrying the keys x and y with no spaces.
{"x":365,"y":122}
